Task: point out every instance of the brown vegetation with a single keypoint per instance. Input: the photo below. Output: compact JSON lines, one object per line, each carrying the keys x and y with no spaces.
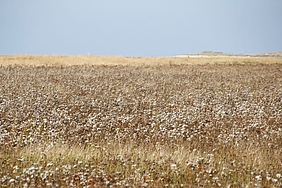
{"x":105,"y":122}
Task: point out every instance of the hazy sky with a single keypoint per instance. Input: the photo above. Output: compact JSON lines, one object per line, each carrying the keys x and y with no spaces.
{"x":139,"y":27}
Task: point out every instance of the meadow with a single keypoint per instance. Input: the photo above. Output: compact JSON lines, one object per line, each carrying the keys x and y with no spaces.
{"x":86,"y":121}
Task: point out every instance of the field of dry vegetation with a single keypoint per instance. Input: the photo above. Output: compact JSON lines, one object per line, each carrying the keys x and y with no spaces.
{"x":140,"y":122}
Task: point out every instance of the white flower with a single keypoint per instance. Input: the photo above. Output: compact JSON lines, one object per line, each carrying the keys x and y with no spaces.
{"x":274,"y":180}
{"x":21,"y":159}
{"x":258,"y":177}
{"x":173,"y":166}
{"x":49,"y":164}
{"x":12,"y":181}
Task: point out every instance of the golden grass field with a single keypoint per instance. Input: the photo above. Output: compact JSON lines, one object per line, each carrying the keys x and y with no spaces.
{"x":88,"y":121}
{"x":113,"y":60}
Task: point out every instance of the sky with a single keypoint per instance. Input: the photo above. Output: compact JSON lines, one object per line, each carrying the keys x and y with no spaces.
{"x":139,"y":27}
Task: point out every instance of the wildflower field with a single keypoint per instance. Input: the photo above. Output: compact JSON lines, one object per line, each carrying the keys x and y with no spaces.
{"x":140,"y":122}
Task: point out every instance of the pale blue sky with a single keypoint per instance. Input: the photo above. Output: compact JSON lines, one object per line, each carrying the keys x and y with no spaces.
{"x":139,"y":27}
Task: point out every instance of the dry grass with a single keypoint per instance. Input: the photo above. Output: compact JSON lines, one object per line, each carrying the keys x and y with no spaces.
{"x":136,"y":61}
{"x":105,"y":122}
